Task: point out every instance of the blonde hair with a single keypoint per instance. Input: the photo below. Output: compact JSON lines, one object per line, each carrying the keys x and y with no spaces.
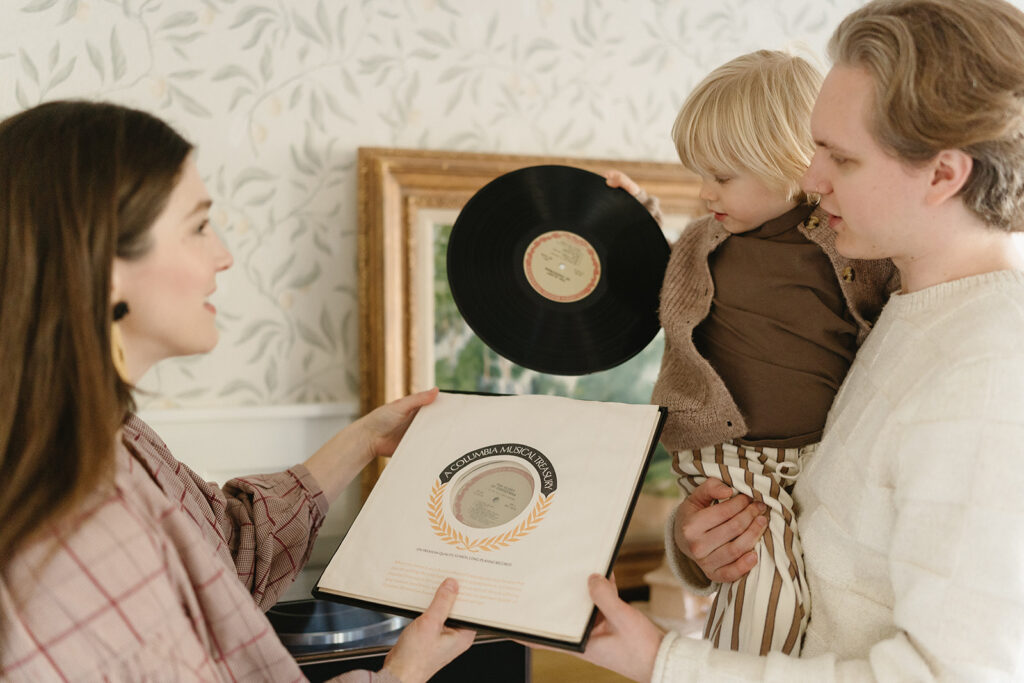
{"x":752,"y":113}
{"x":947,"y":74}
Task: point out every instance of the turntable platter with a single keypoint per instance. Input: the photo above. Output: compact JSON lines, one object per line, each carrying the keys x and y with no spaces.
{"x":318,"y":623}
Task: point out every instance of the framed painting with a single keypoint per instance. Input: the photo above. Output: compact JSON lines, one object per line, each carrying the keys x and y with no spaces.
{"x":413,"y":337}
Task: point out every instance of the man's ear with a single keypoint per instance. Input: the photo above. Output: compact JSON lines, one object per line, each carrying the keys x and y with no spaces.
{"x":950,"y":170}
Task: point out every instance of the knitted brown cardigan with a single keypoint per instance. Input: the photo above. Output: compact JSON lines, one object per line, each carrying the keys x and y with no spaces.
{"x":701,"y":412}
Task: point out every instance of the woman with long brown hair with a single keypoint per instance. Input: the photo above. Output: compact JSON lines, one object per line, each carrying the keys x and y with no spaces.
{"x":116,"y":561}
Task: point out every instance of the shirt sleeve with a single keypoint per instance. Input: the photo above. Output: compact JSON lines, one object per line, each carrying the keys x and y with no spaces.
{"x":264,"y":525}
{"x":269,"y":523}
{"x":956,"y":558}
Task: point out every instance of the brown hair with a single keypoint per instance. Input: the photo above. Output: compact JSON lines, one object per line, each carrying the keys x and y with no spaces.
{"x":752,"y":113}
{"x":948,"y":74}
{"x":81,"y":182}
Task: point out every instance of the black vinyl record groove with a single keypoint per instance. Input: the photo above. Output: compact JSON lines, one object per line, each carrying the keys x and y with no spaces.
{"x":556,"y":271}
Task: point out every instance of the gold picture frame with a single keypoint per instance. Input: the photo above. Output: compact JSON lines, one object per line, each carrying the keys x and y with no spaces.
{"x":402,"y":194}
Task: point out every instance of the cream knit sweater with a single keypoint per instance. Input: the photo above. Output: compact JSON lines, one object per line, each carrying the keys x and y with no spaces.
{"x":912,"y":511}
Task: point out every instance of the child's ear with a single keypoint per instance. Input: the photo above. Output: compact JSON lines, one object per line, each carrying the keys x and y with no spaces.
{"x":950,"y":170}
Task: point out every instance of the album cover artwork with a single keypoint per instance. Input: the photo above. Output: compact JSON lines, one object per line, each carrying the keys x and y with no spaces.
{"x":519,"y":498}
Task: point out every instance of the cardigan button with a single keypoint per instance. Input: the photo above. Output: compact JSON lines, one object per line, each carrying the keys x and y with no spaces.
{"x":813,"y":222}
{"x":848,"y":274}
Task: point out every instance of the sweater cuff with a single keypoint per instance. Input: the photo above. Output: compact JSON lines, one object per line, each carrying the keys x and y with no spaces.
{"x":661,"y":670}
{"x":651,"y":204}
{"x":680,"y":659}
{"x":685,"y":569}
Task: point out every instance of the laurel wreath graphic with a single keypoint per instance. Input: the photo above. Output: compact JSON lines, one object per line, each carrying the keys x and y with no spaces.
{"x":444,"y":530}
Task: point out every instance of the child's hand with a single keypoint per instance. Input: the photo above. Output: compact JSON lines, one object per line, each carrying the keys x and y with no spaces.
{"x":719,"y":537}
{"x":615,"y":178}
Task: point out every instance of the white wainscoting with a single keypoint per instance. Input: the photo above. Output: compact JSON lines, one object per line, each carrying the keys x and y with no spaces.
{"x":221,"y":443}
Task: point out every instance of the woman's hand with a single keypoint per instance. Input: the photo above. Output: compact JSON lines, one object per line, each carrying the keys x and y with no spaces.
{"x":718,"y":529}
{"x":623,"y":640}
{"x":384,"y":426}
{"x":377,"y":433}
{"x":426,"y":645}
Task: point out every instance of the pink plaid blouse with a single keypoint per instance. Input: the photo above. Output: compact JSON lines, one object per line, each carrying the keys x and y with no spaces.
{"x":163,"y":578}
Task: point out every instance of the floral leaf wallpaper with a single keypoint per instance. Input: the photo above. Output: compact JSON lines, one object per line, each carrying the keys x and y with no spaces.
{"x":278,"y":94}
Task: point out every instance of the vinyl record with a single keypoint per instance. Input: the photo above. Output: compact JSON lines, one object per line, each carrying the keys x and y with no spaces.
{"x":556,"y":271}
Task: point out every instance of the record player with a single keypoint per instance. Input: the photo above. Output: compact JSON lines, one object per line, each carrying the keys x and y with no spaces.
{"x":328,"y":639}
{"x":317,"y":626}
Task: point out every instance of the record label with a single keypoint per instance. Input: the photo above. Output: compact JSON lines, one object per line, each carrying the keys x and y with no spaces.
{"x":492,"y":495}
{"x":562,"y":266}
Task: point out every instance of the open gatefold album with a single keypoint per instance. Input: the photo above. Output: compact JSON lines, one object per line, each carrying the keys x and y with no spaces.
{"x":519,"y":498}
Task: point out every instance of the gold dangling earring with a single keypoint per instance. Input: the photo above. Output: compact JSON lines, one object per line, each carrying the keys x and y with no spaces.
{"x":117,"y":344}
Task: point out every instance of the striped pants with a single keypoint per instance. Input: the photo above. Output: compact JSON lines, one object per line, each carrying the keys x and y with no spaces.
{"x":766,"y":610}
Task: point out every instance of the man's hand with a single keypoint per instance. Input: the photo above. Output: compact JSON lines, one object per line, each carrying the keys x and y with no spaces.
{"x":718,"y":529}
{"x":623,"y":640}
